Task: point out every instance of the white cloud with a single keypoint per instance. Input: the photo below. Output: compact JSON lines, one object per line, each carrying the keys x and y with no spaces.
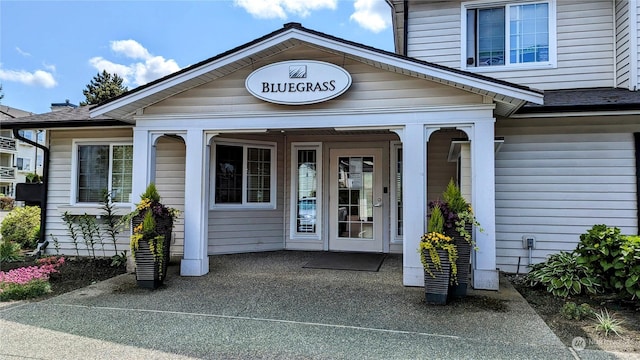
{"x":22,"y":52}
{"x":130,"y":48}
{"x":154,"y":68}
{"x":36,"y":78}
{"x":138,"y":73}
{"x":373,"y":15}
{"x":51,"y":68}
{"x":271,"y":9}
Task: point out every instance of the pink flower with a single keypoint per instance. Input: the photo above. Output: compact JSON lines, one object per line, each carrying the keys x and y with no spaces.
{"x":24,"y":275}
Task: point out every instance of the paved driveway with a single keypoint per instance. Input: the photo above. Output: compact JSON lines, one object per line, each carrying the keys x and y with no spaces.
{"x":266,"y":306}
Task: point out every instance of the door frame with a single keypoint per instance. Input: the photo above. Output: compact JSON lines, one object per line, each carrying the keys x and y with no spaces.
{"x":381,"y":214}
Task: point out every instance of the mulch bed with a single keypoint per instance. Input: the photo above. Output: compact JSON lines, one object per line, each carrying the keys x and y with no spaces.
{"x":549,"y":308}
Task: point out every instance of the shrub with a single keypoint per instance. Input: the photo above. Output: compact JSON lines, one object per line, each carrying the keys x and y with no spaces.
{"x":22,"y":225}
{"x":9,"y":251}
{"x":572,"y":311}
{"x":563,"y":276}
{"x":613,"y":257}
{"x":630,"y":273}
{"x":6,"y":203}
{"x":35,"y":288}
{"x":29,"y":282}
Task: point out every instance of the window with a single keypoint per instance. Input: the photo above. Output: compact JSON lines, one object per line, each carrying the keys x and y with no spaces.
{"x":23,"y":164}
{"x":306,"y":175}
{"x":104,"y":167}
{"x":244,"y":174}
{"x":520,"y":34}
{"x":396,"y":210}
{"x":27,"y":134}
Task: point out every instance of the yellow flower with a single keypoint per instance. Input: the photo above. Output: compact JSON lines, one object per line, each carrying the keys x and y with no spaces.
{"x":144,"y":204}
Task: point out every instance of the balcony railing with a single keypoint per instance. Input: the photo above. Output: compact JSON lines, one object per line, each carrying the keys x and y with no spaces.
{"x":7,"y":173}
{"x":7,"y":144}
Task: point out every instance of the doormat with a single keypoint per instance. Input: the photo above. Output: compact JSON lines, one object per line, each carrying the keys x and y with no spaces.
{"x":346,"y":261}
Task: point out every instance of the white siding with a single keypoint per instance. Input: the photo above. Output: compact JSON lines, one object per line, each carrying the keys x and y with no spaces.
{"x":434,"y":32}
{"x":170,"y":175}
{"x":622,"y":44}
{"x":585,"y":36}
{"x":246,"y":230}
{"x":60,"y":172}
{"x":555,"y":182}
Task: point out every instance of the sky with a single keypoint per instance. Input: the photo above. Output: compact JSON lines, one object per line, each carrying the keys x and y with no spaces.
{"x":51,"y":50}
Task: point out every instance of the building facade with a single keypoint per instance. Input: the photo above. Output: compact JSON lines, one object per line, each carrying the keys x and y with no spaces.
{"x":300,"y":140}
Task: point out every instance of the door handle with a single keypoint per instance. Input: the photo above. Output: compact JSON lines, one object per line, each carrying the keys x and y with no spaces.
{"x":378,"y":203}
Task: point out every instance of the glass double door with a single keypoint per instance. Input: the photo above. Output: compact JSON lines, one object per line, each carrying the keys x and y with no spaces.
{"x":356,"y":200}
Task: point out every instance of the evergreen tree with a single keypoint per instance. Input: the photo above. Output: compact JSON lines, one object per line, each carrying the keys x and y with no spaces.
{"x":103,"y":86}
{"x":1,"y":93}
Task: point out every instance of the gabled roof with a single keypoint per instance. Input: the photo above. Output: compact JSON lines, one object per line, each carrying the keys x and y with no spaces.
{"x":68,"y":117}
{"x":508,"y":96}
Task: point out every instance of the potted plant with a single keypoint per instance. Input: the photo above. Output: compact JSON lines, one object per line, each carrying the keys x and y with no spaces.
{"x":152,"y":224}
{"x":438,"y":255}
{"x":459,"y":226}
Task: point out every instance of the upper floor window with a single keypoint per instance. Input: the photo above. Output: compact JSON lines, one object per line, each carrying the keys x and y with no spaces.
{"x":23,"y":164}
{"x":244,"y":174}
{"x":509,"y":34}
{"x":103,"y":167}
{"x":27,"y":134}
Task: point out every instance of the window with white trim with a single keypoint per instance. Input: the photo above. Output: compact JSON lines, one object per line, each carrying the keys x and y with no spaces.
{"x":103,"y":167}
{"x":23,"y":164}
{"x":516,"y":34}
{"x":244,"y":174}
{"x":306,"y":190}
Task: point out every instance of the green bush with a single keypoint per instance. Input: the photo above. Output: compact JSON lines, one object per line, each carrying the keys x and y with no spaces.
{"x":9,"y":251}
{"x":630,"y":273}
{"x":22,"y":225}
{"x":614,"y":258}
{"x":33,"y":289}
{"x":562,"y":275}
{"x":572,"y":311}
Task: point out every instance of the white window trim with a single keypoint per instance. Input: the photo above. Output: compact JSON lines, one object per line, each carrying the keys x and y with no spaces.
{"x":213,"y":170}
{"x":74,"y":166}
{"x":395,"y":238}
{"x":293,"y":228}
{"x":23,"y":159}
{"x":553,"y":43}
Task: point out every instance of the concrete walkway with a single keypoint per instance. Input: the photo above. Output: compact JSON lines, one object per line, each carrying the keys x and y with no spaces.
{"x":266,"y":306}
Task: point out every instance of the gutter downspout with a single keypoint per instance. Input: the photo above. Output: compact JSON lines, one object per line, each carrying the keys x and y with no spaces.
{"x":406,"y":28}
{"x":42,"y":243}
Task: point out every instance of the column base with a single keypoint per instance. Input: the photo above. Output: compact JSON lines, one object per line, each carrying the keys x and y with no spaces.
{"x":413,"y":276}
{"x":485,"y":279}
{"x":194,"y":267}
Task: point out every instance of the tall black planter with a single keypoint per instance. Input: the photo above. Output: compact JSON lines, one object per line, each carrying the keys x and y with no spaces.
{"x":150,"y":273}
{"x":463,"y":262}
{"x":435,"y":288}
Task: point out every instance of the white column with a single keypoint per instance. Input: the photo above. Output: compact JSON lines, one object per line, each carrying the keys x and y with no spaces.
{"x":414,"y":200}
{"x":485,"y":274}
{"x":195,"y":261}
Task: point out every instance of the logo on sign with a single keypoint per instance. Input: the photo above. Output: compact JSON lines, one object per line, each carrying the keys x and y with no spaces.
{"x":298,"y":82}
{"x":297,"y":72}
